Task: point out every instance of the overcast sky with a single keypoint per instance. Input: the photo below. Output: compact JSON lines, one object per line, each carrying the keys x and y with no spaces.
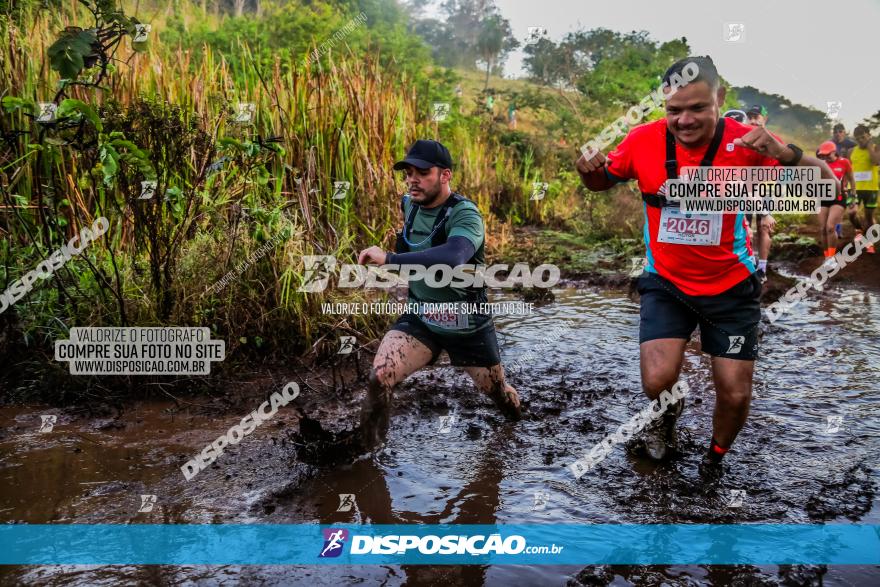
{"x":811,"y":52}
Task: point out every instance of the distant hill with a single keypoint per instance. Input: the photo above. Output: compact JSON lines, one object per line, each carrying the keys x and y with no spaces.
{"x":792,"y":121}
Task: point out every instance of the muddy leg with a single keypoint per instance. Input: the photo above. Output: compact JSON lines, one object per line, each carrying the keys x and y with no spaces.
{"x":660,"y":362}
{"x":853,"y":212}
{"x":490,"y":380}
{"x":824,"y":231}
{"x":835,"y":216}
{"x":398,"y":356}
{"x":733,"y":393}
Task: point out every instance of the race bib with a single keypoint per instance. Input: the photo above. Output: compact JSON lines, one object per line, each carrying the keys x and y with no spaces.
{"x":689,"y":229}
{"x":863,"y":175}
{"x":445,"y":317}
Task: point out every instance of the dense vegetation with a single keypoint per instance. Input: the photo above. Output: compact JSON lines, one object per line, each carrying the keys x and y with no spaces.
{"x":340,"y":89}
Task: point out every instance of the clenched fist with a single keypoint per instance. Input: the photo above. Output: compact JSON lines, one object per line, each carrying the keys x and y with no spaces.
{"x":586,"y":165}
{"x":761,"y":140}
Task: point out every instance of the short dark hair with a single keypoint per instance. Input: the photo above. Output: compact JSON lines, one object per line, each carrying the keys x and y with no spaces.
{"x":860,"y":129}
{"x":706,"y":70}
{"x":838,"y":127}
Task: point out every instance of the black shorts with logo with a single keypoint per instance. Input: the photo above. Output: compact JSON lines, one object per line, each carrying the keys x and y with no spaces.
{"x":479,"y":349}
{"x":837,"y":201}
{"x":728,"y":321}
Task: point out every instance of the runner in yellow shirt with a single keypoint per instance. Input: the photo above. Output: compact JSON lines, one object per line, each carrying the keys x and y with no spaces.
{"x":865,"y":158}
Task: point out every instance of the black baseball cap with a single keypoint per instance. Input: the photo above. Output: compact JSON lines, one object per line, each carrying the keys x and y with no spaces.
{"x":425,"y":154}
{"x":757,"y":109}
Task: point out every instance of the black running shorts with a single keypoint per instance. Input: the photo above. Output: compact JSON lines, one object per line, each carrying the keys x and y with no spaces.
{"x":837,"y":201}
{"x":867,"y":197}
{"x":728,"y":321}
{"x":479,"y":349}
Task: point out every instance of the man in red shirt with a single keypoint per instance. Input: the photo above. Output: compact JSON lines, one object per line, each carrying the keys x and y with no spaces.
{"x":700,"y":269}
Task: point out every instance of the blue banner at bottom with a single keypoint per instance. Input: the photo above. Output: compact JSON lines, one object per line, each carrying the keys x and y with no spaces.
{"x":533,"y":544}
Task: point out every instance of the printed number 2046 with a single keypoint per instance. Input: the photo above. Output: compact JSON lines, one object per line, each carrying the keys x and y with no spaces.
{"x":688,"y":226}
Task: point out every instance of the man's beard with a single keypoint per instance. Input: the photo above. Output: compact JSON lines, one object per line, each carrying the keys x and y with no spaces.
{"x":429,"y":197}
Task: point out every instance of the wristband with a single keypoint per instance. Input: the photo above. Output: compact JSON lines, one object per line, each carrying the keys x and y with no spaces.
{"x":798,"y":155}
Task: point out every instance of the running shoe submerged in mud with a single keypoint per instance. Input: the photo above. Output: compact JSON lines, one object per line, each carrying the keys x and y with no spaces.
{"x":375,"y":419}
{"x":710,"y":469}
{"x":658,"y":438}
{"x":508,"y":402}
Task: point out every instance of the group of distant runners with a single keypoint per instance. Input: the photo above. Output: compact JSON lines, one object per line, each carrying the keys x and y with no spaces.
{"x":854,"y":164}
{"x":713,"y":282}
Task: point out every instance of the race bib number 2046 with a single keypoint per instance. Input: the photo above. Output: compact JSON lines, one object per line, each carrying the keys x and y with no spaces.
{"x":689,"y":229}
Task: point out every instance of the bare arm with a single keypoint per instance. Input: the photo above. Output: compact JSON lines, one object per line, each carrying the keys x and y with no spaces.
{"x":874,"y":151}
{"x":849,"y":181}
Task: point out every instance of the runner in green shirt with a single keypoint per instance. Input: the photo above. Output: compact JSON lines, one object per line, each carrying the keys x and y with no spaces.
{"x":441,"y":229}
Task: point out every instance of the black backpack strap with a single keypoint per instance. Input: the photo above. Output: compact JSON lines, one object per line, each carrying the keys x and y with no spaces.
{"x":709,"y":157}
{"x":408,"y":220}
{"x":671,"y":162}
{"x":445,"y":213}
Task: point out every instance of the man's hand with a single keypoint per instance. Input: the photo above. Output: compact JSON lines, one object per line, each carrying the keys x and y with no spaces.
{"x":372,"y":256}
{"x":589,"y":165}
{"x":759,"y":139}
{"x":591,"y":169}
{"x":770,"y":223}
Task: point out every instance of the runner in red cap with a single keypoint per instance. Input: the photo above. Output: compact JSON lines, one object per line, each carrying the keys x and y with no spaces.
{"x":832,"y":211}
{"x":700,"y":270}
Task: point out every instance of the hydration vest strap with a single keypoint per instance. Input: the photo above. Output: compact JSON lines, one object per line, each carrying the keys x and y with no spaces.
{"x":671,"y":162}
{"x":438,"y":236}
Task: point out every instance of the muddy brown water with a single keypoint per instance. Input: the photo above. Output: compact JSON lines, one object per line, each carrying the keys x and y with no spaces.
{"x":578,"y":384}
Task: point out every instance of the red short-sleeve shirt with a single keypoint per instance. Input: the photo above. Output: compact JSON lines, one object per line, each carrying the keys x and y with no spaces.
{"x":698,"y":270}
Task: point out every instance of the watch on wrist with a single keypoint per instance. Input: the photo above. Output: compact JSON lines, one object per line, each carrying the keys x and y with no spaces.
{"x":798,"y":154}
